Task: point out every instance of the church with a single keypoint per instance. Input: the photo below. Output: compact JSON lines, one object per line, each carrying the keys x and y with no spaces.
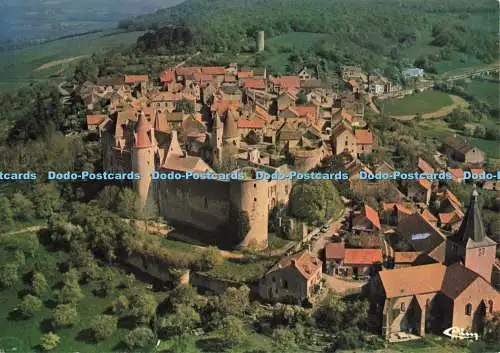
{"x":431,"y":298}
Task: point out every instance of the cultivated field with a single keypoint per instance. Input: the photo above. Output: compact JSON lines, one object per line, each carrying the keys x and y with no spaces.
{"x":424,"y":102}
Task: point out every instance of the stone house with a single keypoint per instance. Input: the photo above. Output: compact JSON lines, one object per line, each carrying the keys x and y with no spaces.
{"x":295,"y":279}
{"x":334,"y":256}
{"x":343,"y":140}
{"x":365,"y":221}
{"x":364,"y":141}
{"x":420,"y":190}
{"x":461,"y":151}
{"x":359,"y":263}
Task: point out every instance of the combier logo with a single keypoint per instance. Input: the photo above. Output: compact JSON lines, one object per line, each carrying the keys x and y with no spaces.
{"x":458,"y":333}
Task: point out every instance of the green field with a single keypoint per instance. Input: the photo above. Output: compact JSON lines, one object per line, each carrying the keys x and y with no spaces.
{"x":20,"y":67}
{"x":424,"y":102}
{"x":295,"y":40}
{"x":24,"y":334}
{"x":487,"y":91}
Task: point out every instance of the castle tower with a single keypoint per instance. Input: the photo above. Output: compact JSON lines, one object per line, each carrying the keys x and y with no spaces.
{"x":251,"y":196}
{"x":216,"y":139}
{"x":231,"y":135}
{"x":143,"y":156}
{"x":260,"y":41}
{"x":470,"y":244}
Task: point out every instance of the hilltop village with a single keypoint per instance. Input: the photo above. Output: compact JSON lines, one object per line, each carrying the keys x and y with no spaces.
{"x":424,"y":260}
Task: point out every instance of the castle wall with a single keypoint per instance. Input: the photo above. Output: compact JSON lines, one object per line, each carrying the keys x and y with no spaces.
{"x":204,"y":204}
{"x":143,"y":163}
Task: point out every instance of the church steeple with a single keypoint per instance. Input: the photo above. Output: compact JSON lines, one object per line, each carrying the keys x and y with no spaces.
{"x":471,"y":233}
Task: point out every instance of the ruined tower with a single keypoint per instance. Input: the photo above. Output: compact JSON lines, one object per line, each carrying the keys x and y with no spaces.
{"x":470,"y":245}
{"x":143,"y":156}
{"x":231,"y":135}
{"x":251,"y":196}
{"x":216,"y":139}
{"x":260,"y":41}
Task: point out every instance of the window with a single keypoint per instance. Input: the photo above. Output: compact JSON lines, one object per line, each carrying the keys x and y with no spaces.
{"x":403,"y":307}
{"x":468,"y":309}
{"x":285,"y":284}
{"x":254,"y":185}
{"x":273,"y":279}
{"x":482,"y":251}
{"x":346,"y":142}
{"x":490,"y":306}
{"x":255,"y":199}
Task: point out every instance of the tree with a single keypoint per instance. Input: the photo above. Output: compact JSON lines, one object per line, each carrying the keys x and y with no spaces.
{"x":140,"y":337}
{"x":210,"y":257}
{"x":49,"y":341}
{"x":39,"y":284}
{"x":120,"y":304}
{"x":301,"y":98}
{"x":183,"y":320}
{"x":70,"y":293}
{"x":234,"y":331}
{"x":64,"y":315}
{"x":143,"y":307}
{"x":107,"y":281}
{"x":103,"y":326}
{"x":492,"y":330}
{"x":22,"y":208}
{"x":6,"y":214}
{"x":234,"y":301}
{"x":283,"y":339}
{"x":185,"y":106}
{"x":30,"y":305}
{"x":47,"y":199}
{"x":128,"y":204}
{"x":19,"y":258}
{"x":9,"y":275}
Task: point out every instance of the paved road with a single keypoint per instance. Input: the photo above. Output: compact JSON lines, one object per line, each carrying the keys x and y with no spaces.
{"x":323,"y":238}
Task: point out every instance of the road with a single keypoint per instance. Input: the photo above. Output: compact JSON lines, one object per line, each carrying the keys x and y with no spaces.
{"x":323,"y":238}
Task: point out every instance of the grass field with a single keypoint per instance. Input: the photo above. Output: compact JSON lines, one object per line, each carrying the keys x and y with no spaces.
{"x":20,"y":67}
{"x":24,"y":334}
{"x":424,"y":102}
{"x":487,"y":91}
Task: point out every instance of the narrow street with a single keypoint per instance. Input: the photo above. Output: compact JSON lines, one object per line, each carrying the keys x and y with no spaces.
{"x":318,"y":244}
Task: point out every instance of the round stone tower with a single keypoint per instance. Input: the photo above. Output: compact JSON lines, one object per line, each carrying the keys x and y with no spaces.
{"x":260,"y":41}
{"x":251,"y":196}
{"x":143,"y":156}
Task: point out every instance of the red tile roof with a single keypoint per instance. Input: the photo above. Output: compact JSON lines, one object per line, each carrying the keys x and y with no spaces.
{"x":346,"y":116}
{"x":287,"y":82}
{"x":245,"y":74}
{"x":476,"y":170}
{"x":167,"y":76}
{"x":424,"y":166}
{"x":334,"y":251}
{"x":362,"y":256}
{"x":353,"y":84}
{"x":202,"y":77}
{"x":229,"y":78}
{"x":364,"y":137}
{"x":449,"y":217}
{"x":400,"y":207}
{"x":250,"y":124}
{"x":304,"y":110}
{"x":214,"y":70}
{"x":406,"y":256}
{"x":425,"y":183}
{"x":255,"y":83}
{"x":136,"y":78}
{"x":182,"y":71}
{"x":372,"y":216}
{"x":93,"y":120}
{"x":305,"y":263}
{"x":456,"y":173}
{"x":429,"y":216}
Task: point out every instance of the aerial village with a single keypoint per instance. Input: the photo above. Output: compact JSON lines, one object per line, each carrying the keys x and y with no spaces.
{"x":424,"y":260}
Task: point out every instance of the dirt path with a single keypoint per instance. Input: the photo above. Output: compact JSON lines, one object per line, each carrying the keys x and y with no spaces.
{"x":457,"y":102}
{"x":341,"y":286}
{"x":59,"y":62}
{"x":27,"y":229}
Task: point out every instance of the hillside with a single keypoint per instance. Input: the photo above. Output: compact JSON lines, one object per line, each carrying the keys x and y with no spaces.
{"x":375,"y":33}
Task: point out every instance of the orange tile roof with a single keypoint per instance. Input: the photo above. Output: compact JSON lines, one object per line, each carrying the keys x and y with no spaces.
{"x":449,"y":217}
{"x":202,"y":77}
{"x":287,"y":82}
{"x":345,"y":115}
{"x":95,"y":119}
{"x":229,"y":78}
{"x":304,"y":110}
{"x":425,"y":183}
{"x":429,"y":216}
{"x":400,"y":207}
{"x":261,"y":113}
{"x":406,"y":256}
{"x":182,"y":71}
{"x":412,"y":280}
{"x":353,"y":84}
{"x":424,"y":166}
{"x":476,"y":170}
{"x":305,"y":263}
{"x":221,"y":106}
{"x":362,"y":256}
{"x":372,"y":216}
{"x":364,"y":137}
{"x":456,"y":173}
{"x":245,"y":74}
{"x":254,"y":83}
{"x":213,"y":70}
{"x":334,"y":251}
{"x":136,"y":78}
{"x":250,"y":124}
{"x":167,"y":76}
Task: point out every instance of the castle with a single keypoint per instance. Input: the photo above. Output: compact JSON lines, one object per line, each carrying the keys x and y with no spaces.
{"x":137,"y":143}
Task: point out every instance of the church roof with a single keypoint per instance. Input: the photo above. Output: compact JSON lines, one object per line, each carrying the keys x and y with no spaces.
{"x":142,"y":139}
{"x":231,"y":125}
{"x":471,"y":233}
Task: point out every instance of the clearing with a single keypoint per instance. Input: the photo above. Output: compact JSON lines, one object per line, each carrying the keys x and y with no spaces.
{"x":59,"y":62}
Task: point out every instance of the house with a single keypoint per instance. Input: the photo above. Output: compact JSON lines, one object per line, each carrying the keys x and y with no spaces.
{"x":334,"y":255}
{"x":429,"y":217}
{"x":378,"y":84}
{"x":457,"y":174}
{"x":254,"y":83}
{"x":246,"y":125}
{"x":285,"y":100}
{"x":364,"y":141}
{"x":305,"y":74}
{"x":424,"y":167}
{"x":310,"y":85}
{"x":359,"y":263}
{"x":343,"y":140}
{"x":462,"y":151}
{"x":366,"y":221}
{"x":284,"y":83}
{"x":295,"y":279}
{"x":420,"y":190}
{"x":393,"y":213}
{"x":450,"y":221}
{"x":352,"y":72}
{"x":413,"y":72}
{"x":429,"y":299}
{"x":93,"y":121}
{"x":420,"y":235}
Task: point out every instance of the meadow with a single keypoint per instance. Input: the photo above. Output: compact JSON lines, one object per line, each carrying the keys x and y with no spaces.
{"x":488,"y":91}
{"x":52,"y":59}
{"x":424,"y":102}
